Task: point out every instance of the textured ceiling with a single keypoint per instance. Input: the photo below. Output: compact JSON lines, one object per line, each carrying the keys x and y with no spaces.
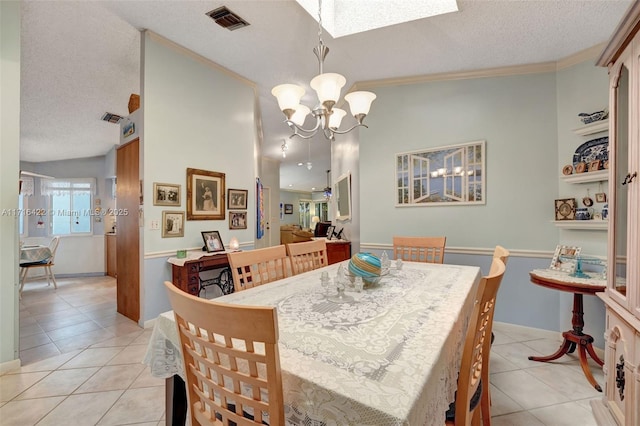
{"x":81,"y":58}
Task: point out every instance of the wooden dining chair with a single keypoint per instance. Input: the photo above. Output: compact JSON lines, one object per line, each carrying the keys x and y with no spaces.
{"x":231,"y":360}
{"x":473,"y":379}
{"x":419,"y":249}
{"x":256,"y":267}
{"x":46,"y":264}
{"x":307,"y":256}
{"x":501,"y":253}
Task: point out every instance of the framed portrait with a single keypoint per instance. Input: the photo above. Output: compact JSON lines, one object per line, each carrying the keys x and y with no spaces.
{"x":601,"y":197}
{"x":166,"y":194}
{"x":172,"y":224}
{"x":212,"y":241}
{"x":237,"y":199}
{"x":205,"y":195}
{"x":565,"y":209}
{"x":594,"y":166}
{"x":560,"y":263}
{"x":288,"y":209}
{"x":237,"y":220}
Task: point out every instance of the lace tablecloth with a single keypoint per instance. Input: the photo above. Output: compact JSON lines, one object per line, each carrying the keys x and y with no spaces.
{"x":391,"y":357}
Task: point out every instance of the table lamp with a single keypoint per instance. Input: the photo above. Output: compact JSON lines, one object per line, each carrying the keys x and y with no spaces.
{"x":314,"y":222}
{"x":234,"y":244}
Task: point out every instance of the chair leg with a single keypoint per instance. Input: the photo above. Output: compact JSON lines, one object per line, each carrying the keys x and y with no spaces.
{"x":475,"y":417}
{"x":24,"y":278}
{"x":485,"y":407}
{"x":53,"y":277}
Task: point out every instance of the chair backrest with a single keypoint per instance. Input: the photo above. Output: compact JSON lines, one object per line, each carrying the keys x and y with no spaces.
{"x":307,"y":256}
{"x":502,"y":254}
{"x":53,"y":246}
{"x":419,"y":249}
{"x":475,"y":355}
{"x":231,"y":360}
{"x":256,"y":267}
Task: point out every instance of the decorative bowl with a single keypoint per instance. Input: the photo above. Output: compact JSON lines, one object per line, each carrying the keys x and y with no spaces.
{"x":367,"y":266}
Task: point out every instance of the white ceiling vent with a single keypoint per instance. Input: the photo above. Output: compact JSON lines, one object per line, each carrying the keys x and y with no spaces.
{"x":227,"y":19}
{"x":111,"y":118}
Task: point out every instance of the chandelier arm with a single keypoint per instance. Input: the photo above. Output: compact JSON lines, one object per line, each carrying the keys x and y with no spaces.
{"x":297,"y":128}
{"x":342,"y":132}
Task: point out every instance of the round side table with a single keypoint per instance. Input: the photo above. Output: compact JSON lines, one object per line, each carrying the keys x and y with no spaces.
{"x":573,"y":338}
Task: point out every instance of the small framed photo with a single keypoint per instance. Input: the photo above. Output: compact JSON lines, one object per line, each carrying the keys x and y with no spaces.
{"x":237,"y":199}
{"x":561,"y":263}
{"x":565,"y":209}
{"x":601,"y":197}
{"x":172,"y":224}
{"x":166,"y":194}
{"x":330,"y":231}
{"x":212,"y":241}
{"x":237,"y":220}
{"x":594,"y":166}
{"x":288,"y":209}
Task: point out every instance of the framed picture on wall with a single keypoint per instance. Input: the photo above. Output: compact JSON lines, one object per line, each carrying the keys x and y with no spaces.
{"x":237,"y":199}
{"x":205,"y":195}
{"x":166,"y":194}
{"x":237,"y":220}
{"x":288,"y":209}
{"x":172,"y":224}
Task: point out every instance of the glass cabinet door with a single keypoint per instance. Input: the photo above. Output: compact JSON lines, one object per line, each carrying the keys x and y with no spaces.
{"x":618,"y":189}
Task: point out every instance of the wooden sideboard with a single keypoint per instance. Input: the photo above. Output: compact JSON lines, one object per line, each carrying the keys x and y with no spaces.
{"x":338,"y":250}
{"x":187,"y":277}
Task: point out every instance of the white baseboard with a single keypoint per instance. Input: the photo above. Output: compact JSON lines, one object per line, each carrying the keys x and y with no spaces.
{"x":8,"y":366}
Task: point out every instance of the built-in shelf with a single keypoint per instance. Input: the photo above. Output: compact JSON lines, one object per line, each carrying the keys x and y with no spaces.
{"x":591,"y":128}
{"x":594,"y":225}
{"x":598,"y":176}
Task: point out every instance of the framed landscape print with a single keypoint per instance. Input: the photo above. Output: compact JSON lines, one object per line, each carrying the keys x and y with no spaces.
{"x":172,"y":224}
{"x":237,"y":199}
{"x":205,"y":195}
{"x":237,"y":220}
{"x":166,"y":194}
{"x":212,"y":241}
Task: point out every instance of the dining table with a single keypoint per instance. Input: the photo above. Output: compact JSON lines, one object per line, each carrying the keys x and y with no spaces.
{"x":390,"y":355}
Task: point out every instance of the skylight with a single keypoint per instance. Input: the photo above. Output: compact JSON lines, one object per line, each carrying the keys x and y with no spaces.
{"x":346,"y":17}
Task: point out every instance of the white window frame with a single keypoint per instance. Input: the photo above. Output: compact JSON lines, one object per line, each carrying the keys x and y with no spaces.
{"x":50,"y":186}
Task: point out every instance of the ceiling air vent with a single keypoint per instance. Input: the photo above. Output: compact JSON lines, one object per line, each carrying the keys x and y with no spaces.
{"x":111,"y":118}
{"x":227,"y":19}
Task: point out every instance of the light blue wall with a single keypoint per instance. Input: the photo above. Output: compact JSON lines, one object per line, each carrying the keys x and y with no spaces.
{"x":195,"y":115}
{"x":526,"y":121}
{"x":9,"y":158}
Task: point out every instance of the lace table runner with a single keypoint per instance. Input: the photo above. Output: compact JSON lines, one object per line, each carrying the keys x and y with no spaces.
{"x":391,"y":357}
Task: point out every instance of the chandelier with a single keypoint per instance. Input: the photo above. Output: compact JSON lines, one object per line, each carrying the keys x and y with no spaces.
{"x":327,"y":87}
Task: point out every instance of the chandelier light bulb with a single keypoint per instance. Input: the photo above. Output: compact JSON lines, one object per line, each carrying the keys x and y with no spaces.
{"x":288,"y":96}
{"x":328,"y":87}
{"x":360,"y":102}
{"x":300,"y":115}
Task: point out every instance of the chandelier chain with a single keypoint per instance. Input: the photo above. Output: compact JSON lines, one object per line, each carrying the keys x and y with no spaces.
{"x":320,"y":21}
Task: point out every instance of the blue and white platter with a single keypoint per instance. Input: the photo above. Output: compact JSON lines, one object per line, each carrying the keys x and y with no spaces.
{"x":595,"y":149}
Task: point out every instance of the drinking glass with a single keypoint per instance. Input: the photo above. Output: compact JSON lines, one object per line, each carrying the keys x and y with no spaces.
{"x":324,"y":281}
{"x":359,"y":284}
{"x":399,"y":264}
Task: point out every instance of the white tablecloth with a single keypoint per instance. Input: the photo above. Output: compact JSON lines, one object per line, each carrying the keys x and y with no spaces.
{"x":32,"y":254}
{"x":389,"y":358}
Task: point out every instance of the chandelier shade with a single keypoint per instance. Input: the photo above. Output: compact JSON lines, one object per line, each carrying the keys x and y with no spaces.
{"x":327,"y":87}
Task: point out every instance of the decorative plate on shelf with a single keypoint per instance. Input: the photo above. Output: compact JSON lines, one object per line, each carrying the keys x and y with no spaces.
{"x":595,"y":149}
{"x":565,"y":209}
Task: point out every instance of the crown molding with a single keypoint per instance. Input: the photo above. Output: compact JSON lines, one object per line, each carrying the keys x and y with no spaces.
{"x":543,"y":67}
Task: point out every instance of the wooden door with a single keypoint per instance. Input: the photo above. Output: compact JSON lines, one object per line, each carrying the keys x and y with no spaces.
{"x":128,"y":234}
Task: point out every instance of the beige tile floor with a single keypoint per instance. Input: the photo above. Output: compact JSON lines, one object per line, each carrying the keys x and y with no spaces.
{"x":84,"y":368}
